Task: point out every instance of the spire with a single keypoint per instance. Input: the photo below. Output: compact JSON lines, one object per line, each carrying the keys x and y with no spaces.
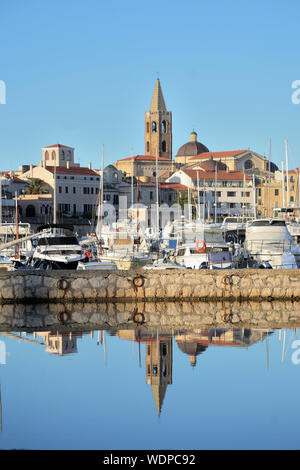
{"x":159,"y":392}
{"x":158,"y":102}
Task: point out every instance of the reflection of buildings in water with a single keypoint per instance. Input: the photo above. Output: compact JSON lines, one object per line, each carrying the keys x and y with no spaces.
{"x":159,"y":360}
{"x":196,"y":342}
{"x":60,"y":343}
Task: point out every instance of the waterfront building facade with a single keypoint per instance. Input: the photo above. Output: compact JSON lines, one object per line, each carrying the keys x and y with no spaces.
{"x":223,"y":193}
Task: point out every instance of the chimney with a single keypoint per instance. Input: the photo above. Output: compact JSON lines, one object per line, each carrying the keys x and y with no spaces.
{"x":31,"y":170}
{"x":89,"y":166}
{"x":68,"y":164}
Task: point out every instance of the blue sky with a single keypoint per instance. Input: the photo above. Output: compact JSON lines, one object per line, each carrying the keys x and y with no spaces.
{"x":83,"y":74}
{"x":230,"y":400}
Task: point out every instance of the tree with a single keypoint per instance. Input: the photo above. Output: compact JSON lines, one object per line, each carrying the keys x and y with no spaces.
{"x":35,"y":186}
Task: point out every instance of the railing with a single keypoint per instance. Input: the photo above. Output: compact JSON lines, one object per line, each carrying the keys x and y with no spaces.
{"x":269,"y":245}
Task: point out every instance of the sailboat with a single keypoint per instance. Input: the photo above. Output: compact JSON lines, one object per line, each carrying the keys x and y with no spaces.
{"x":121,"y":248}
{"x":99,"y":263}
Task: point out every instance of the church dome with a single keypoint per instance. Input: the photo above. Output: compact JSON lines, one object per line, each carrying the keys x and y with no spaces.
{"x":192,"y":348}
{"x":192,"y":148}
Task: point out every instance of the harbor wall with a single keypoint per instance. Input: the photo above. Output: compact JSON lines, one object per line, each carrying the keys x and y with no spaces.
{"x":176,"y":316}
{"x":148,"y":286}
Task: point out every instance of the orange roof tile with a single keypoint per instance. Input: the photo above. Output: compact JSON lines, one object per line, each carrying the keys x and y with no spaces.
{"x":62,"y":170}
{"x":57,"y":145}
{"x":227,"y":153}
{"x":221,"y":175}
{"x":145,"y":157}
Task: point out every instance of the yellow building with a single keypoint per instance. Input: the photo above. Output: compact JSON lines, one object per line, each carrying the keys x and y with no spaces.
{"x":144,"y":166}
{"x":269,"y":194}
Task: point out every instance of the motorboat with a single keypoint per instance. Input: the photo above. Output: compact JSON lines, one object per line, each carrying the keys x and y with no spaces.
{"x":55,"y":250}
{"x":204,"y":248}
{"x":164,"y":263}
{"x":97,"y":266}
{"x":234,"y":228}
{"x":268,"y":240}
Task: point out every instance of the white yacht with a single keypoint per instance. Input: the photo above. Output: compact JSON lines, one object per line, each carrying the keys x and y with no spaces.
{"x":268,"y":240}
{"x":54,"y":250}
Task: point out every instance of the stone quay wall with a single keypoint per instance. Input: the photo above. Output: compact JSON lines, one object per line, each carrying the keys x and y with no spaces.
{"x":83,"y":316}
{"x":150,"y":285}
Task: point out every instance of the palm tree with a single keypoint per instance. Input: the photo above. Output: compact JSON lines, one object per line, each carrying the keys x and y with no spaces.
{"x":35,"y":186}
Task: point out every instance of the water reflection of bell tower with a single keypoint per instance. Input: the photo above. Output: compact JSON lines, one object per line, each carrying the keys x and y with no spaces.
{"x":159,"y":356}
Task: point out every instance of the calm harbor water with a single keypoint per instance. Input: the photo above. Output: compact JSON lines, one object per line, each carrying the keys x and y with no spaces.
{"x":202,"y":388}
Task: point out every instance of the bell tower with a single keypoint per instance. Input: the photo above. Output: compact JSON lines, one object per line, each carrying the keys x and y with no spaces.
{"x":159,"y":359}
{"x":158,"y":126}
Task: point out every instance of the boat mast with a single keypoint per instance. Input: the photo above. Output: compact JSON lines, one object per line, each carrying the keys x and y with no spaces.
{"x":17,"y":225}
{"x":132,"y":169}
{"x":198,"y":190}
{"x":137,"y":212}
{"x":244,"y":212}
{"x":254,"y":196}
{"x":282,"y":182}
{"x":287,"y":174}
{"x":157,"y":199}
{"x":269,"y":178}
{"x":1,"y":199}
{"x":298,"y":190}
{"x":101,"y":201}
{"x":54,"y":199}
{"x":216,"y":169}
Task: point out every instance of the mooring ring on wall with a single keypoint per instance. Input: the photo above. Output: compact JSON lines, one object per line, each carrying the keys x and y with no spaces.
{"x":228,"y":280}
{"x":63,"y":317}
{"x":138,"y":318}
{"x":227,"y":317}
{"x":138,"y":281}
{"x":63,"y":284}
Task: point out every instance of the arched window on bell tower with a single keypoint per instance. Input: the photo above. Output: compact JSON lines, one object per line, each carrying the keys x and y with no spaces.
{"x":148,"y":146}
{"x":153,"y":126}
{"x":163,"y":146}
{"x":147,"y":127}
{"x":164,"y":125}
